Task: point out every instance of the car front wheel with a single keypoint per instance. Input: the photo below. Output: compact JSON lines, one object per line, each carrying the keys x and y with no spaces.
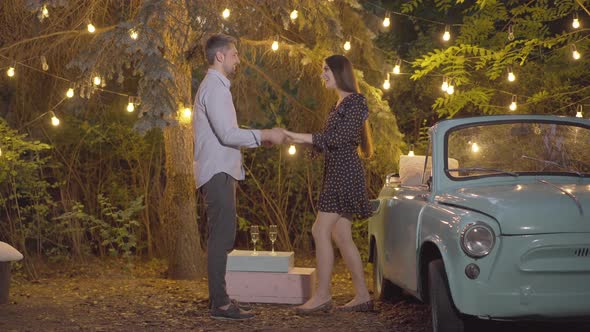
{"x":383,"y":289}
{"x":445,"y":316}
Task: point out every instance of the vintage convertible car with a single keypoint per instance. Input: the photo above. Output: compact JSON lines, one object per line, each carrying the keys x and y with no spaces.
{"x":493,"y":222}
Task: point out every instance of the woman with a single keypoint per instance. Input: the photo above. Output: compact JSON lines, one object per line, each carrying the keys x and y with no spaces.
{"x":344,"y":191}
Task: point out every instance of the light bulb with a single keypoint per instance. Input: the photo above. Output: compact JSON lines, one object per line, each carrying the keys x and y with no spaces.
{"x":411,"y":153}
{"x":445,"y":86}
{"x":294,"y":15}
{"x":510,"y":32}
{"x":54,"y":120}
{"x":451,"y":89}
{"x":292,"y":150}
{"x":10,"y":72}
{"x":576,"y":23}
{"x":43,"y":13}
{"x":130,"y":107}
{"x":511,"y":76}
{"x":187,"y":113}
{"x":91,"y":28}
{"x":396,"y":69}
{"x":386,"y":22}
{"x":513,"y":106}
{"x":579,"y":115}
{"x":347,"y":45}
{"x":133,"y":34}
{"x":97,"y":80}
{"x":44,"y":64}
{"x":576,"y":55}
{"x":386,"y":85}
{"x":474,"y":148}
{"x":70,"y":93}
{"x":275,"y":45}
{"x":446,"y":36}
{"x":225,"y":13}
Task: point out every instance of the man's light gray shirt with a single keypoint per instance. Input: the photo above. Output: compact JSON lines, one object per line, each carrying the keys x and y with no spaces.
{"x":217,"y":136}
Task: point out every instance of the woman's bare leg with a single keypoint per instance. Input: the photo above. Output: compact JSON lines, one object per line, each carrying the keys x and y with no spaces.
{"x":342,"y":235}
{"x":322,"y":236}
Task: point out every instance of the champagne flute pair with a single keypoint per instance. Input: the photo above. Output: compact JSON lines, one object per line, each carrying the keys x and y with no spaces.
{"x":272,"y":234}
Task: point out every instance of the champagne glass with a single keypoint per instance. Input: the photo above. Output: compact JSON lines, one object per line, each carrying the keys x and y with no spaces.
{"x":272,"y":234}
{"x":255,"y":235}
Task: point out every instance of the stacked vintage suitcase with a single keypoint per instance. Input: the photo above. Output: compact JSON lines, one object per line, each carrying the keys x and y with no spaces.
{"x":266,"y":277}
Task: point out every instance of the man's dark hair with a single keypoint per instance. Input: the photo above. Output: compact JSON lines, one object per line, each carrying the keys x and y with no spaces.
{"x":217,"y":43}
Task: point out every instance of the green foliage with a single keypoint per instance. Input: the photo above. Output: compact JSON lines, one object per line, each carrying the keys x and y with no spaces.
{"x":113,"y":232}
{"x":478,"y":61}
{"x":24,"y":188}
{"x":102,"y":157}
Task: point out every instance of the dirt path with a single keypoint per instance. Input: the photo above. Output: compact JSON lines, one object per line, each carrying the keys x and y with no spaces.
{"x":114,"y":298}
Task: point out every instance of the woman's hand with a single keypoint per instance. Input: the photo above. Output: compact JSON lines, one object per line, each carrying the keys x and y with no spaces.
{"x":298,"y":138}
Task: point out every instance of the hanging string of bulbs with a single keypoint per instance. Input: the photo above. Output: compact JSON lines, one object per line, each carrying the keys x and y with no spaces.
{"x":185,"y":112}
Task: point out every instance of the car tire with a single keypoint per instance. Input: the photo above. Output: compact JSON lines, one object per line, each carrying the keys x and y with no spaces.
{"x":445,"y":317}
{"x":383,"y":289}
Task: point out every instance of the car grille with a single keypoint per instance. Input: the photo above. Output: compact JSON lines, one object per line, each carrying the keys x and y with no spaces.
{"x":582,"y":252}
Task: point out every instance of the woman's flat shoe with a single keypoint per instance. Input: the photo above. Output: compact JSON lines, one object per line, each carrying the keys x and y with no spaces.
{"x":324,"y":307}
{"x":361,"y":307}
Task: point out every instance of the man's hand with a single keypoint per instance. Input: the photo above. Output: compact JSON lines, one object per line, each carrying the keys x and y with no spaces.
{"x":272,"y":136}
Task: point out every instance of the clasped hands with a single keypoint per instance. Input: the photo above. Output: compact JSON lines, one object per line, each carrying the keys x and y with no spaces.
{"x":277,"y":136}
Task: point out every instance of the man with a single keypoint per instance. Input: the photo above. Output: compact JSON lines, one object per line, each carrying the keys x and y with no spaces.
{"x":218,"y":165}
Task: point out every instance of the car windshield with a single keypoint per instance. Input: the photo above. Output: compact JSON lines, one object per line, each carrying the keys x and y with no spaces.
{"x":518,"y":148}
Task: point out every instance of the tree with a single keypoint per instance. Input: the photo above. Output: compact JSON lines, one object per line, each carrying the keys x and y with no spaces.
{"x":150,"y":46}
{"x":533,"y":40}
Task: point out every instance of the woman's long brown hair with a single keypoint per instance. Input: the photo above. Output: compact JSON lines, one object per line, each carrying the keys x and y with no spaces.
{"x":341,"y":67}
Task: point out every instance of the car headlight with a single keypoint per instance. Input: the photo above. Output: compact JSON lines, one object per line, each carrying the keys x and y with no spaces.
{"x":477,"y":239}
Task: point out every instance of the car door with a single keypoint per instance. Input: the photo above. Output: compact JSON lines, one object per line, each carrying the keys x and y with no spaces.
{"x":405,"y":211}
{"x":400,"y":251}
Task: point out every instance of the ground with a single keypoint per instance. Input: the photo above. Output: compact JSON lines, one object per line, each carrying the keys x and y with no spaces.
{"x":118,"y":296}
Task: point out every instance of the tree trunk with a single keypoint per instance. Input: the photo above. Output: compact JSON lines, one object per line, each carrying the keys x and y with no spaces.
{"x":178,"y":208}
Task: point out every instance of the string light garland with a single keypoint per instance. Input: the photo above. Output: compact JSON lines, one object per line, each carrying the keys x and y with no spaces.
{"x":447,"y":85}
{"x":576,"y":21}
{"x":347,"y":45}
{"x":513,"y":105}
{"x":386,"y":20}
{"x":90,"y":27}
{"x":397,"y":67}
{"x":44,"y":64}
{"x":575,"y":54}
{"x":54,"y":119}
{"x":447,"y":34}
{"x":511,"y":77}
{"x":133,"y":34}
{"x":386,"y":84}
{"x":225,"y":14}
